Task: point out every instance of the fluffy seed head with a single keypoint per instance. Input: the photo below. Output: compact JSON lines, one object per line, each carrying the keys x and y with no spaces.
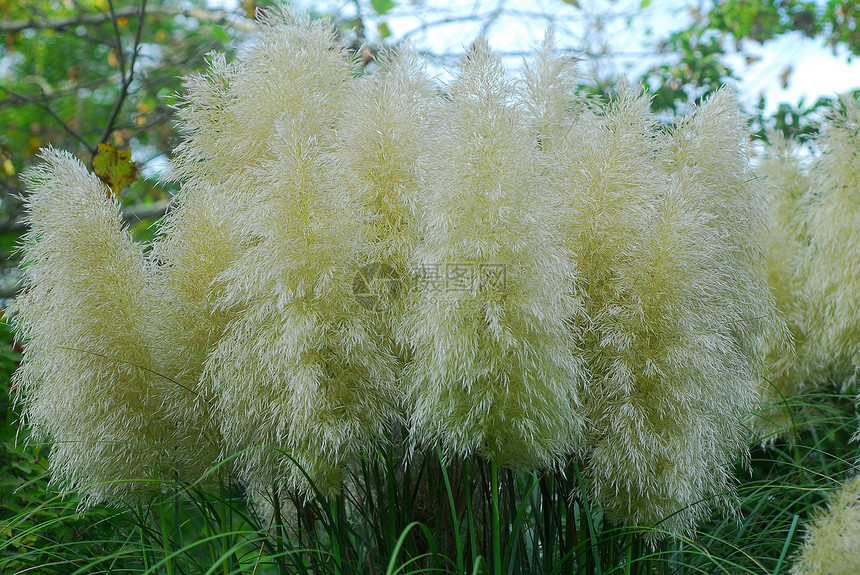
{"x":793,"y":366}
{"x":198,"y":242}
{"x":298,"y":375}
{"x":495,"y":371}
{"x":832,"y":209}
{"x":831,"y":545}
{"x":672,"y":375}
{"x":230,"y":113}
{"x":89,"y":380}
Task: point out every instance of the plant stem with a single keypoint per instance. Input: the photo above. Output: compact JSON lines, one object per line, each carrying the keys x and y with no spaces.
{"x":165,"y":541}
{"x":335,"y":535}
{"x":279,"y":542}
{"x":140,"y":523}
{"x":496,"y":522}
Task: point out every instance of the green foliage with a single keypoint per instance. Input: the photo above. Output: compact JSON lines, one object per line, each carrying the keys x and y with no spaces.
{"x":9,"y":359}
{"x":799,"y":122}
{"x":762,"y":20}
{"x":70,"y":82}
{"x":694,"y":72}
{"x":382,"y":6}
{"x":432,"y":516}
{"x":696,"y":57}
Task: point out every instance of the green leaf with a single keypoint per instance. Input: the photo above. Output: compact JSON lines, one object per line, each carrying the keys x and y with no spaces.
{"x":382,"y":6}
{"x":220,"y":34}
{"x":574,"y":3}
{"x":644,"y":4}
{"x":384,"y":30}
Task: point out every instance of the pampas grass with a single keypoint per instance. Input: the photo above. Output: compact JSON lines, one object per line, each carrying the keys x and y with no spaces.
{"x":831,"y":544}
{"x":90,"y":377}
{"x":832,"y":213}
{"x":565,"y":286}
{"x":670,"y":330}
{"x":495,"y":371}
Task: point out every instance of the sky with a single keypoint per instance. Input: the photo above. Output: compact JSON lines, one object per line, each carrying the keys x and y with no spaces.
{"x":612,"y":37}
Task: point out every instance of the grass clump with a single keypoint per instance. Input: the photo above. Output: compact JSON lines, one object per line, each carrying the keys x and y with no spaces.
{"x":389,"y":326}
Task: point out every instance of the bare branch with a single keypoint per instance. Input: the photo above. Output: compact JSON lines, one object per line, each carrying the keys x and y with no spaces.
{"x":130,"y":214}
{"x":114,"y":19}
{"x":212,"y":16}
{"x":44,"y":106}
{"x":127,"y":76}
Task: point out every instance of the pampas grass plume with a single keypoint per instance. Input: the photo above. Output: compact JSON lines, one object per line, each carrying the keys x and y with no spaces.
{"x":300,"y":381}
{"x":831,"y":545}
{"x":229,"y":113}
{"x":89,"y":380}
{"x":832,"y":208}
{"x":495,"y":371}
{"x":198,"y":242}
{"x":672,"y":376}
{"x":578,"y":284}
{"x":797,"y":367}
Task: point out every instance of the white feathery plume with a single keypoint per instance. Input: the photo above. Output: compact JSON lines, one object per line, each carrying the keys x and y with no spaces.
{"x":198,"y":242}
{"x":495,"y":371}
{"x":89,"y":380}
{"x":670,"y":386}
{"x":298,"y":370}
{"x":795,"y":368}
{"x":383,"y":139}
{"x":831,"y":545}
{"x":832,"y":207}
{"x":229,"y":114}
{"x":550,"y":94}
{"x":709,"y":156}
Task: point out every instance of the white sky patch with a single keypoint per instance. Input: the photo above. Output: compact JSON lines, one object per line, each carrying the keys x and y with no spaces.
{"x":614,"y":38}
{"x":811,"y":69}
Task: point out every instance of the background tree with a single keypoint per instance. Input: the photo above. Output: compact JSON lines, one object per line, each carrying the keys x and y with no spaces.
{"x":80,"y":73}
{"x":696,"y":57}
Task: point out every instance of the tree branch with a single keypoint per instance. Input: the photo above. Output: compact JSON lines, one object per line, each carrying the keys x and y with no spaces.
{"x":127,"y":76}
{"x":44,"y":106}
{"x":130,"y":214}
{"x":213,"y":16}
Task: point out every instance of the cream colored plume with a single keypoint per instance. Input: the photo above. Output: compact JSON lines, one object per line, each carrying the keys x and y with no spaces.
{"x":300,"y":380}
{"x":495,"y":371}
{"x":90,"y":379}
{"x":198,"y":241}
{"x":647,"y":220}
{"x":832,"y":209}
{"x":796,"y":368}
{"x":831,"y":545}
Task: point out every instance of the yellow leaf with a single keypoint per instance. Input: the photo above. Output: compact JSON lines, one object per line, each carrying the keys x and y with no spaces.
{"x":114,"y":167}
